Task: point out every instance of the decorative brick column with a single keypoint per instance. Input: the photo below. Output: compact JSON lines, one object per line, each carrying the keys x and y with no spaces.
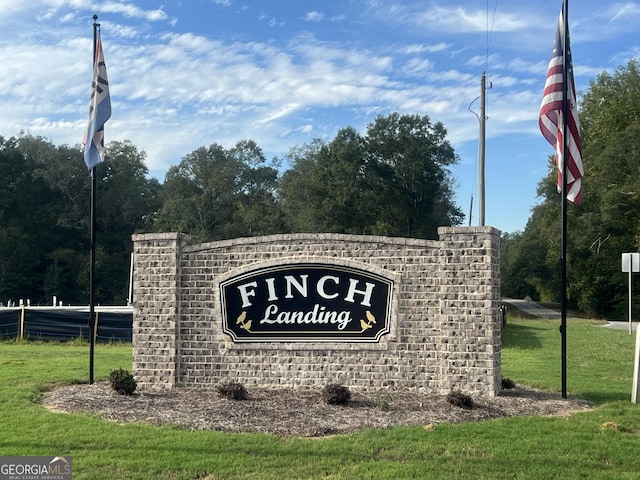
{"x":470,"y":321}
{"x":156,"y":308}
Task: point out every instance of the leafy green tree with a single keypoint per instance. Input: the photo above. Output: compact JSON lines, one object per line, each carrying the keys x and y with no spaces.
{"x":339,"y":179}
{"x":514,"y":284}
{"x":216,"y":193}
{"x":126,"y":201}
{"x":45,"y":220}
{"x":62,"y":168}
{"x":407,"y":169}
{"x":299,"y":194}
{"x":393,"y":181}
{"x":325,"y":190}
{"x":26,"y":224}
{"x":127,"y":196}
{"x":610,"y":106}
{"x":607,"y":224}
{"x":257,"y":211}
{"x":199,"y":193}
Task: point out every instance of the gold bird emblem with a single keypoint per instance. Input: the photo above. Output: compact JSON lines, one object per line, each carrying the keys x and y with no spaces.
{"x":247,"y":326}
{"x":242,"y":317}
{"x":366,"y":324}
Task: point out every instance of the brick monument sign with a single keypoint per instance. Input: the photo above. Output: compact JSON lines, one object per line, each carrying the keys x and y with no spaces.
{"x":305,"y":310}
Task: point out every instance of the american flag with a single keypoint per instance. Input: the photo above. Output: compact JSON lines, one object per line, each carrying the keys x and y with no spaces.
{"x":551,"y":115}
{"x":99,"y":110}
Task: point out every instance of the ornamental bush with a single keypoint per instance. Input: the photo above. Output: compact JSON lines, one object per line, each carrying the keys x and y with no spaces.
{"x":383,"y":402}
{"x":232,"y":391}
{"x":507,"y":383}
{"x":335,"y":394}
{"x":122,"y":382}
{"x":459,"y":399}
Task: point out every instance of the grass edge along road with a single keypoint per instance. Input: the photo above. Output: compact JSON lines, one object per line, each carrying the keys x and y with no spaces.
{"x":601,"y":443}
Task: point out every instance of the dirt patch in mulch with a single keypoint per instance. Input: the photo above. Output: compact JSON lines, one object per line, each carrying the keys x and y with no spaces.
{"x":287,"y":412}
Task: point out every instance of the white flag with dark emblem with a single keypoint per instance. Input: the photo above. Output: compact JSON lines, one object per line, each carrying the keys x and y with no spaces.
{"x":99,"y":110}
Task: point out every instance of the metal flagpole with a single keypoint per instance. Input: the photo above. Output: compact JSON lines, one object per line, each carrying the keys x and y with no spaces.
{"x":92,"y":263}
{"x":563,"y":257}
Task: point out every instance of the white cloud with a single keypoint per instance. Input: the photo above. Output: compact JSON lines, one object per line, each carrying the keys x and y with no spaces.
{"x":10,"y":6}
{"x":415,"y":49}
{"x":440,"y":17}
{"x":623,"y":57}
{"x":271,"y":21}
{"x":624,"y":11}
{"x":482,"y":60}
{"x":131,"y":10}
{"x":417,"y":67}
{"x":314,"y":16}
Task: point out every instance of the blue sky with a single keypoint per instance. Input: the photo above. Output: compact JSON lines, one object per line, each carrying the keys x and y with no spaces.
{"x":189,"y":73}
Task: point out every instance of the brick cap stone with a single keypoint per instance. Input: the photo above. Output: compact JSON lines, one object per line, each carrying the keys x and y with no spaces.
{"x":463,"y":230}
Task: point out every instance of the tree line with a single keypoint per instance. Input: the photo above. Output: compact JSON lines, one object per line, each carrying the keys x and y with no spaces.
{"x":392,"y":180}
{"x":604,"y":226}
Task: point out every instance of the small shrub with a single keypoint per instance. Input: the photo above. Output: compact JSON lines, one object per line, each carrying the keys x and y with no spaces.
{"x":335,"y":394}
{"x":459,"y":399}
{"x":122,"y":382}
{"x":383,"y":402}
{"x":232,"y":391}
{"x":508,"y":384}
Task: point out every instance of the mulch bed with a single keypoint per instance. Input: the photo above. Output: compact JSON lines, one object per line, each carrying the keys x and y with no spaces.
{"x":287,"y":412}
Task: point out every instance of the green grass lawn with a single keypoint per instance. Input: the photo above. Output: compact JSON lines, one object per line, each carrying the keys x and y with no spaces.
{"x":600,"y":368}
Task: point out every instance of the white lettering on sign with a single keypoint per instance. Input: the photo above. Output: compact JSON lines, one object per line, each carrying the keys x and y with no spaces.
{"x":271,"y":286}
{"x":321,"y":290}
{"x":299,"y":287}
{"x":352,"y":291}
{"x":245,"y":293}
{"x":319,"y":315}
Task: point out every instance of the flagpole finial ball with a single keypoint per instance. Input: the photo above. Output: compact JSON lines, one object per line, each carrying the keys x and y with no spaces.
{"x":95,"y":17}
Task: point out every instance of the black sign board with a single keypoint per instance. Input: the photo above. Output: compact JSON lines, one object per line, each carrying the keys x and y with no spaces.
{"x":306,"y":302}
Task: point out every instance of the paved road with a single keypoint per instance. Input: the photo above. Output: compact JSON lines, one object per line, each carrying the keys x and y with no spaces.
{"x":534,"y":308}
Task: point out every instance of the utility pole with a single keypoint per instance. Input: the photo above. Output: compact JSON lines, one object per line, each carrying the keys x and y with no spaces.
{"x":481,"y":148}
